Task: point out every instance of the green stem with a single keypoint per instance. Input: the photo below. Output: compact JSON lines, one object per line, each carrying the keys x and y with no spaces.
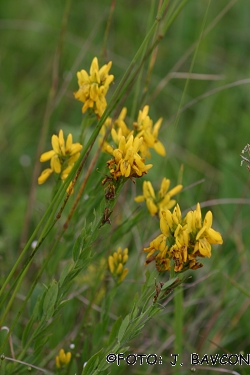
{"x":139,"y":78}
{"x":174,"y":15}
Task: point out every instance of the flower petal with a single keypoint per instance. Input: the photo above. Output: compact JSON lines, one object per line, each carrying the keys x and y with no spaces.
{"x":44,"y":175}
{"x":55,"y":164}
{"x":47,"y":156}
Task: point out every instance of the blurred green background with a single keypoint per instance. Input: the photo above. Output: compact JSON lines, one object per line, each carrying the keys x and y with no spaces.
{"x":205,"y":143}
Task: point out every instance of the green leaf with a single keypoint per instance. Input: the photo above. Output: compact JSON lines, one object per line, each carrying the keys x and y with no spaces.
{"x":78,"y":245}
{"x":62,"y":304}
{"x":123,"y":350}
{"x":135,"y":309}
{"x":155,"y":310}
{"x":103,"y":363}
{"x":26,"y":331}
{"x":39,"y":344}
{"x":64,"y":273}
{"x":150,"y":278}
{"x":114,"y":331}
{"x":50,"y":300}
{"x":147,"y":298}
{"x":123,"y":328}
{"x":38,"y":309}
{"x":106,"y":307}
{"x":175,"y":281}
{"x":147,"y":289}
{"x":92,"y":363}
{"x":85,"y":350}
{"x":43,"y":329}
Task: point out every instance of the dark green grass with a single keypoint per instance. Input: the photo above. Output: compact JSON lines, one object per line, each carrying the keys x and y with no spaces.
{"x":206,"y":141}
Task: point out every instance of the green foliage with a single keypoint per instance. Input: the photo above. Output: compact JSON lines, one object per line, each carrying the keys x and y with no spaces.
{"x":58,"y":292}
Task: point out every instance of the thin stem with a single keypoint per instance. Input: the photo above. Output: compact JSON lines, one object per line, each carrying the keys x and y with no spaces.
{"x":175,"y":14}
{"x":105,"y":38}
{"x":28,"y":364}
{"x":139,"y":78}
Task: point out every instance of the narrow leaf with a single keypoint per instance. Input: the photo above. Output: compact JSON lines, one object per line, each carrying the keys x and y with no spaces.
{"x":50,"y":300}
{"x":92,"y":364}
{"x":123,"y":328}
{"x":114,"y":331}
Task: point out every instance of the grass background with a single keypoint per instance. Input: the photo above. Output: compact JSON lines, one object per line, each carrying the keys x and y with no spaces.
{"x":205,"y":145}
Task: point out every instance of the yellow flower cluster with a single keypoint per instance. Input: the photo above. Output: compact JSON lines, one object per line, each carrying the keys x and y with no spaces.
{"x":62,"y":157}
{"x":127,"y":162}
{"x":130,"y":147}
{"x":183,"y":240}
{"x":160,"y":202}
{"x":145,"y":129}
{"x":116,"y":264}
{"x":62,"y":359}
{"x":93,"y":87}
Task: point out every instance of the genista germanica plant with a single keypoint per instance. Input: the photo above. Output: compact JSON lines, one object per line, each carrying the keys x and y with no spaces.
{"x":120,"y":143}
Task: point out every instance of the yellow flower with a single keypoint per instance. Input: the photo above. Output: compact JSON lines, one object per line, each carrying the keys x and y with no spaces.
{"x":118,"y":128}
{"x":169,"y":221}
{"x":62,"y":359}
{"x":93,"y":87}
{"x":149,"y":133}
{"x":162,"y":259}
{"x":166,"y":203}
{"x":120,"y":124}
{"x":160,"y":202}
{"x":127,"y":162}
{"x":158,"y":244}
{"x":149,"y":197}
{"x":204,"y":234}
{"x":116,"y":264}
{"x":62,"y":157}
{"x":183,"y":240}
